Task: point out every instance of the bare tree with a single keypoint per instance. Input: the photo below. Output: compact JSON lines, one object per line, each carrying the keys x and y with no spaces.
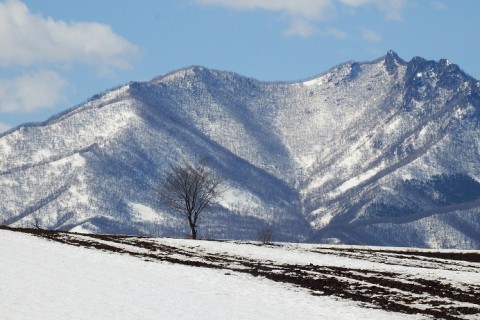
{"x":189,"y":190}
{"x":36,"y":224}
{"x":265,"y":236}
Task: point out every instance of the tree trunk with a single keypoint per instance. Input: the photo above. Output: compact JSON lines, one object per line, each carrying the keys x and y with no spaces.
{"x":194,"y":233}
{"x":193,"y":229}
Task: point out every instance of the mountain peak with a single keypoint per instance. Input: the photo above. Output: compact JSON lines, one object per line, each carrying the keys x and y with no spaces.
{"x":392,"y":61}
{"x":391,"y":53}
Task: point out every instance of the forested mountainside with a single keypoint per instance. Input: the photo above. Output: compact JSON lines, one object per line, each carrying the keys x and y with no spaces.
{"x":381,"y":153}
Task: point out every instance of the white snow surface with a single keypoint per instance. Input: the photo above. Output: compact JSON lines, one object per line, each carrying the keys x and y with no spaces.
{"x":47,"y":280}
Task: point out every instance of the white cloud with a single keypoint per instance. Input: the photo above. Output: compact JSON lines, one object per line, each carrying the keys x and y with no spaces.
{"x":370,"y":35}
{"x":333,"y":32}
{"x":28,"y":39}
{"x":439,"y":5}
{"x":391,"y":8}
{"x":309,"y":9}
{"x":300,"y":28}
{"x":4,"y":127}
{"x":31,"y":92}
{"x":301,"y":13}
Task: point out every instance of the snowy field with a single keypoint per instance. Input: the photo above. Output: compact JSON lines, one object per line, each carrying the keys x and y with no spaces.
{"x":71,"y":276}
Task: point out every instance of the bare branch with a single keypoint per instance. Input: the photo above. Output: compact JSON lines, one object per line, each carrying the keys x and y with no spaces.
{"x":189,"y":190}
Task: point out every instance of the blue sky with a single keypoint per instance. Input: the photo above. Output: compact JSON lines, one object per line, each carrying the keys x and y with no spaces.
{"x":56,"y":54}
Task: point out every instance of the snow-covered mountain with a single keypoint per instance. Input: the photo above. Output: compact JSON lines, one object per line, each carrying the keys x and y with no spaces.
{"x":383,"y":153}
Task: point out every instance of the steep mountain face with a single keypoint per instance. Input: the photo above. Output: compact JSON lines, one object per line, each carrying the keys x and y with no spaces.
{"x":382,"y":153}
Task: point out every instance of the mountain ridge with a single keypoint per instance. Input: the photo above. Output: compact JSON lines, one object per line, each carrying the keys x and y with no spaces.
{"x":315,"y":160}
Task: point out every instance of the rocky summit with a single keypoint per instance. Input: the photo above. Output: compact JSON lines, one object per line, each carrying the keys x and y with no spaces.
{"x":379,"y":153}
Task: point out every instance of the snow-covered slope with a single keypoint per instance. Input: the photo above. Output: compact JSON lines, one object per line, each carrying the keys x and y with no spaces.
{"x":382,"y":152}
{"x":42,"y":280}
{"x":78,"y":276}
